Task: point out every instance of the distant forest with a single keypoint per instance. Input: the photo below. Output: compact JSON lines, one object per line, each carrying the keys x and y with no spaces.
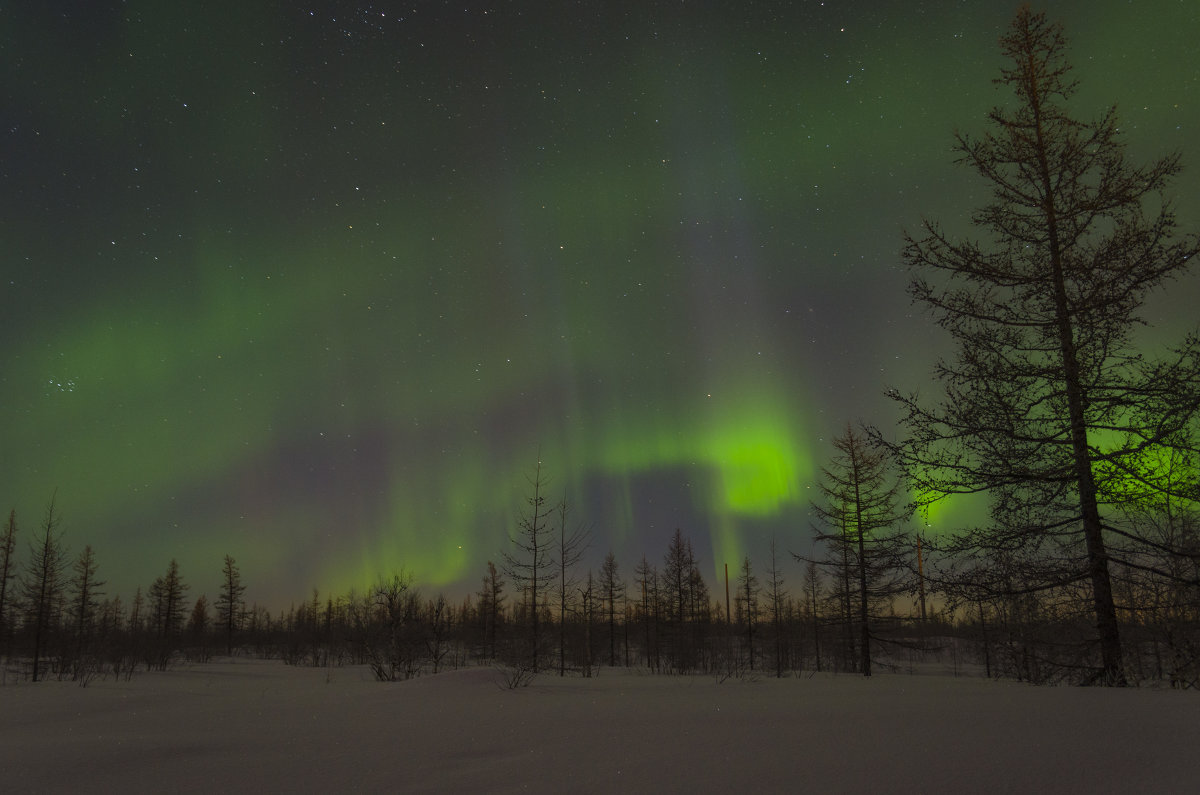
{"x":1084,"y":447}
{"x":872,"y":602}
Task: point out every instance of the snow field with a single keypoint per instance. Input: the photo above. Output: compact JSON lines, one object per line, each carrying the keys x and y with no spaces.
{"x":260,"y":726}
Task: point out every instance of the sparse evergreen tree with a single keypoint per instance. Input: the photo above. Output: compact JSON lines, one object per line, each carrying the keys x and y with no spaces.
{"x":8,"y":570}
{"x":43,"y":584}
{"x":167,"y":620}
{"x":85,"y":599}
{"x":230,"y":605}
{"x":813,"y":597}
{"x":530,"y":564}
{"x":197,"y":629}
{"x":1049,"y":407}
{"x":676,"y":595}
{"x":587,"y":604}
{"x":571,"y":546}
{"x":612,"y":592}
{"x":114,"y":642}
{"x":777,"y":604}
{"x":491,"y":601}
{"x":172,"y":593}
{"x":136,"y":619}
{"x":650,"y":608}
{"x":438,"y":621}
{"x":311,"y":629}
{"x":686,"y":598}
{"x":860,"y":508}
{"x":748,"y":591}
{"x":677,"y":569}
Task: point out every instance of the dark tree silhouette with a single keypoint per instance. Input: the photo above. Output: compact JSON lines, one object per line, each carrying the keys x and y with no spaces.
{"x":8,"y":569}
{"x":137,"y":621}
{"x":197,"y":630}
{"x":166,"y":601}
{"x":571,"y":546}
{"x":85,"y":599}
{"x":648,"y":581}
{"x":860,"y":509}
{"x":812,"y":597}
{"x":43,"y":585}
{"x":437,"y":621}
{"x":686,"y":599}
{"x":230,"y":605}
{"x":612,"y":592}
{"x":530,"y":563}
{"x":777,"y":596}
{"x":677,"y":569}
{"x":394,"y":615}
{"x":587,"y":613}
{"x":748,"y":591}
{"x":491,"y":601}
{"x":1049,"y":407}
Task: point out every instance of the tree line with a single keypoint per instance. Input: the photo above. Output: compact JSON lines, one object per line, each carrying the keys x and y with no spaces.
{"x":56,"y":620}
{"x":533,"y":614}
{"x":858,"y":605}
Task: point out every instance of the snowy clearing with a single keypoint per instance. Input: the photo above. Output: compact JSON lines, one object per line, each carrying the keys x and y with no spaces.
{"x":260,"y":726}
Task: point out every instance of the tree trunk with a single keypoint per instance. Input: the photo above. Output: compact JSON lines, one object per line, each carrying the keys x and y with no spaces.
{"x":1097,"y":555}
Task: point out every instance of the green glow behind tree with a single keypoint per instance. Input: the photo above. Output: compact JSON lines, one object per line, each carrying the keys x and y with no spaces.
{"x":1048,"y":393}
{"x":866,"y":544}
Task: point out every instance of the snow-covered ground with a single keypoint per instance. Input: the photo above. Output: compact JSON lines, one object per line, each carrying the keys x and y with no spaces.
{"x":259,"y":726}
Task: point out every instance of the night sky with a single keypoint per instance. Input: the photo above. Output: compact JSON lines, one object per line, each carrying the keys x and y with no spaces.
{"x":316,"y":285}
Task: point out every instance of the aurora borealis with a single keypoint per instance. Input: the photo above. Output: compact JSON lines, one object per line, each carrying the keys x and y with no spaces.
{"x":316,"y":285}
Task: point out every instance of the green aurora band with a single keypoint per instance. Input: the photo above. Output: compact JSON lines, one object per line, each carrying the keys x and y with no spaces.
{"x":321,"y":298}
